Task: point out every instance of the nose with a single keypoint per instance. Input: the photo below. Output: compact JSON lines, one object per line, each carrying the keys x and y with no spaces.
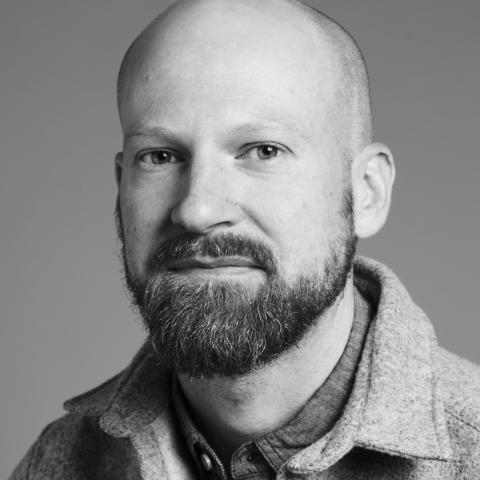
{"x":208,"y":200}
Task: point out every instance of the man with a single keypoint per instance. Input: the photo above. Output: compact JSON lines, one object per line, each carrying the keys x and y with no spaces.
{"x":247,"y":174}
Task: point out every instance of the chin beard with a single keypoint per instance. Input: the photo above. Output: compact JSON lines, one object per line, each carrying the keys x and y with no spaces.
{"x":225,"y":328}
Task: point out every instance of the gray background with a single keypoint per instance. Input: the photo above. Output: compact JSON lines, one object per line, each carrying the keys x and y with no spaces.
{"x":66,"y":324}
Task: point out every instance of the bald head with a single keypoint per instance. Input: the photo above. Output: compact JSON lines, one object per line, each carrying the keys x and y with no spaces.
{"x":352,"y":96}
{"x":193,"y":31}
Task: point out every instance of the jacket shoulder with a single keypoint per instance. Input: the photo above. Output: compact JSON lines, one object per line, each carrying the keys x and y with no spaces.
{"x":53,"y":454}
{"x":74,"y":447}
{"x":459,"y":386}
{"x":459,"y":381}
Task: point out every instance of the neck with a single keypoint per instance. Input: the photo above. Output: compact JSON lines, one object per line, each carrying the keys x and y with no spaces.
{"x":232,"y":411}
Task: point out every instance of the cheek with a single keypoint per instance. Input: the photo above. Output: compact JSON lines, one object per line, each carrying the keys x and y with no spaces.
{"x":145,"y":201}
{"x":142,"y":219}
{"x":305,"y":224}
{"x":293,"y":215}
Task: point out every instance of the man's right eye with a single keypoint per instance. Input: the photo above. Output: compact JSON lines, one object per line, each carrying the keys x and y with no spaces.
{"x":158,"y":157}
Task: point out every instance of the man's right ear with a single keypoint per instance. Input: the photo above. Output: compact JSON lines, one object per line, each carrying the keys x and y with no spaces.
{"x":118,"y":167}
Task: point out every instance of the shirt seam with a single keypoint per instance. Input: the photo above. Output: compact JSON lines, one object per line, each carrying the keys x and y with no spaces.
{"x":237,"y":474}
{"x":249,"y":475}
{"x":274,"y":450}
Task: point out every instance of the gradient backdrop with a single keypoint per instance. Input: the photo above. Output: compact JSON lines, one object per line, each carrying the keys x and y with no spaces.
{"x":66,"y":324}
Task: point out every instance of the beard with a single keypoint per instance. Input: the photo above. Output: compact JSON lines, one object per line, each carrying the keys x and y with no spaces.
{"x":225,"y":328}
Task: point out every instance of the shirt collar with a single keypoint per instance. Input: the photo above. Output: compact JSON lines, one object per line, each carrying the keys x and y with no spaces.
{"x":395,"y":406}
{"x":325,"y":407}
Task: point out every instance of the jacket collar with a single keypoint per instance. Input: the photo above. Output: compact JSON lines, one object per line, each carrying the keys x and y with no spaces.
{"x":403,"y":411}
{"x":395,"y":406}
{"x":129,"y":401}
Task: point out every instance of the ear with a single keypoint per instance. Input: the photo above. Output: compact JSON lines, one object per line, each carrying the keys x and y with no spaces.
{"x":118,"y":167}
{"x":373,"y":174}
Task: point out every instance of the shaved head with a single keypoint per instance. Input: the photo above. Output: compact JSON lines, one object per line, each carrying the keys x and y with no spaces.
{"x":349,"y":106}
{"x":352,"y":96}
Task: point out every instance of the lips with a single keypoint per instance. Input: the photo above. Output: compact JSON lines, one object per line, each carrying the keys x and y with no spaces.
{"x":210,"y":263}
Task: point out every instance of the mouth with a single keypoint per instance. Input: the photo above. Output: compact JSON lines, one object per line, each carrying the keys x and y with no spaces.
{"x":213,"y":266}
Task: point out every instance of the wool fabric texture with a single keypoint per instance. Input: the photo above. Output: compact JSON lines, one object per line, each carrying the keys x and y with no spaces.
{"x":413,"y":412}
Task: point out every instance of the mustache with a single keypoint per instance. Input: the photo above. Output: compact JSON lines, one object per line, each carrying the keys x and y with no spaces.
{"x":189,"y":245}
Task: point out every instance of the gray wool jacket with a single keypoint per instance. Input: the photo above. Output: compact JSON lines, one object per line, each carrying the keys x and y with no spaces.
{"x":414,"y":413}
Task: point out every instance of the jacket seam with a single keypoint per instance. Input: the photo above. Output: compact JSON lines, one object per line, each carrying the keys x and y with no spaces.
{"x":466,"y":422}
{"x":435,"y":387}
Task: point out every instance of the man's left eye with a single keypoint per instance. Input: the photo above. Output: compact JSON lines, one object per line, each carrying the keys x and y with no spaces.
{"x":262,"y":152}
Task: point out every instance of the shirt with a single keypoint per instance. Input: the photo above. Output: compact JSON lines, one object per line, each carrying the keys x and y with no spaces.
{"x":262,"y":458}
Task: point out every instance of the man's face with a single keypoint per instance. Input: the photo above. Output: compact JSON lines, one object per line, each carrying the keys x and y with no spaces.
{"x":227,"y":140}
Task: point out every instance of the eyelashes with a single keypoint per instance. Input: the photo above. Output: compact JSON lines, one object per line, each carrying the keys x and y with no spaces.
{"x":259,"y":151}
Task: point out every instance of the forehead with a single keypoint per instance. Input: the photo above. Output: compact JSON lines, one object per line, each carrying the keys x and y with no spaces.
{"x":236,"y":59}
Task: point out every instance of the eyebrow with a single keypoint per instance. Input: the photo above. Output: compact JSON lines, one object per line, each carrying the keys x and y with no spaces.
{"x":245,"y":129}
{"x":151,"y":132}
{"x":259,"y":127}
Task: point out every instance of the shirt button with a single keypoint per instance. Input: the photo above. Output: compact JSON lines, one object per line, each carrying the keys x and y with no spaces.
{"x":206,"y":462}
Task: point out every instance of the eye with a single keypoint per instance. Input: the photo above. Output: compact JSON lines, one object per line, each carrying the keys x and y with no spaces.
{"x":264,"y":151}
{"x":158,"y":157}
